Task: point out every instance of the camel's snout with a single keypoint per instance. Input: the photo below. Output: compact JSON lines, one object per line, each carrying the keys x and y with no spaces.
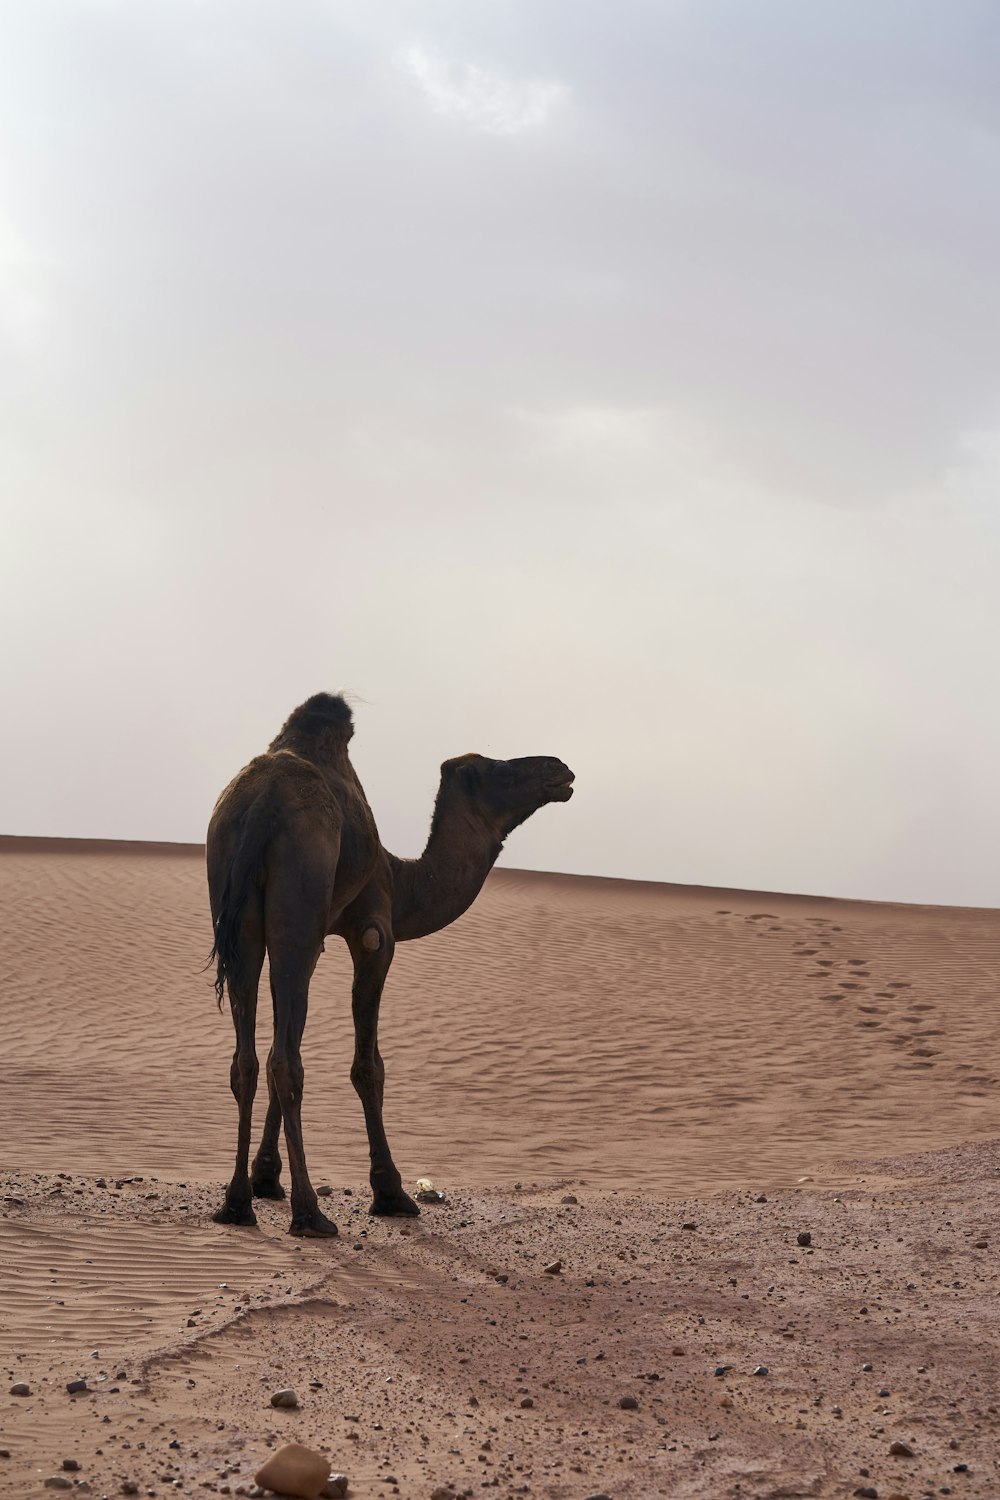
{"x":559,"y":782}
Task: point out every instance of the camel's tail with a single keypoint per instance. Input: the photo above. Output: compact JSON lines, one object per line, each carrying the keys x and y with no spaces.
{"x":241,"y":883}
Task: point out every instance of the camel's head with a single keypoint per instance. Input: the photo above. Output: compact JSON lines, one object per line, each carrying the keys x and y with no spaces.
{"x":509,"y":791}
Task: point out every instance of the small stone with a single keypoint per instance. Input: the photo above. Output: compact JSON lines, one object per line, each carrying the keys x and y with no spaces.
{"x":761,"y":1198}
{"x":721,"y":1370}
{"x":628,"y":1403}
{"x":76,"y":1386}
{"x":553,"y":1268}
{"x":981,"y":1244}
{"x":22,"y":1388}
{"x":295,"y":1470}
{"x":760,"y":1370}
{"x":71,"y":1464}
{"x":324,"y":1190}
{"x":335,"y":1487}
{"x":726,"y":1401}
{"x":569,"y":1198}
{"x":599,"y":1496}
{"x":867,"y":1492}
{"x":961,"y":1469}
{"x":803,"y":1237}
{"x":101,"y":1182}
{"x":286,"y":1399}
{"x":443,"y":1492}
{"x":689,"y":1224}
{"x":807,"y":1178}
{"x":129,"y":1487}
{"x":526,"y":1403}
{"x":883,"y":1390}
{"x":899,"y":1449}
{"x":867,"y":1367}
{"x":58,"y":1482}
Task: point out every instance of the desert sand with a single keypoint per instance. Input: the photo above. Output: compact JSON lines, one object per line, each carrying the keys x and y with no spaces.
{"x":757,"y":1133}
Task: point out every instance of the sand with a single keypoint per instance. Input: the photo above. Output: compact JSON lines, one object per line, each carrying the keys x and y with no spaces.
{"x":758,"y":1066}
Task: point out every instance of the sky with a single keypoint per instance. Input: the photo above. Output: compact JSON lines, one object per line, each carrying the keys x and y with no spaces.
{"x":617,"y":382}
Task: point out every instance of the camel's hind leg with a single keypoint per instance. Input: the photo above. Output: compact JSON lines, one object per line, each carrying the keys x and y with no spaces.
{"x":238,"y":1207}
{"x":290,"y":975}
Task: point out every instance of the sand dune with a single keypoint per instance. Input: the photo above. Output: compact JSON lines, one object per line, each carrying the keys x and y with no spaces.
{"x":630,"y":1043}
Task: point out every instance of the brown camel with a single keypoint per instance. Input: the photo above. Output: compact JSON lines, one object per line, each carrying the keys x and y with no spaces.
{"x":294,"y":854}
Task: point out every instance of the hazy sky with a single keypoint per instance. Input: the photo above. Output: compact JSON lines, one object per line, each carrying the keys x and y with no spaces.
{"x":614,"y":381}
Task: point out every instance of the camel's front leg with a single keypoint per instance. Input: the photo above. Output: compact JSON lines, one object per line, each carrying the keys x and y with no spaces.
{"x":265,"y":1174}
{"x":291,"y":971}
{"x":372,"y":955}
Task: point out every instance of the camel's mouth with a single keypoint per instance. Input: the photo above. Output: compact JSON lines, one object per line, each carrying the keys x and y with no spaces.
{"x":560,"y":790}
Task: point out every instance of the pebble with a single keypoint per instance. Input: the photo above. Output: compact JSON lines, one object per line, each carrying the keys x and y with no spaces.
{"x":628,"y":1403}
{"x":295,"y":1470}
{"x":901,"y":1450}
{"x":22,"y":1388}
{"x":761,"y":1198}
{"x":761,"y":1370}
{"x":689,"y":1224}
{"x":553,"y":1268}
{"x":75,"y":1386}
{"x":324,"y":1190}
{"x":129,"y":1487}
{"x":721,"y":1370}
{"x":981,"y":1244}
{"x":58,"y":1482}
{"x":884,"y":1390}
{"x":867,"y":1492}
{"x":867,"y":1367}
{"x":71,"y":1464}
{"x":526,"y":1403}
{"x":569,"y":1198}
{"x":335,"y":1487}
{"x":804,"y":1238}
{"x":443,"y":1492}
{"x":599,"y":1496}
{"x":286,"y":1399}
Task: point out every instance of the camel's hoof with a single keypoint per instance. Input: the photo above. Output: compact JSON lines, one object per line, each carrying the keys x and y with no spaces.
{"x":388,"y":1204}
{"x":227,"y":1214}
{"x":267,"y":1187}
{"x":313,"y":1226}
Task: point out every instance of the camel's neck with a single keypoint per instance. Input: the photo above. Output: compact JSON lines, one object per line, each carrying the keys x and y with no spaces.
{"x":434,"y":890}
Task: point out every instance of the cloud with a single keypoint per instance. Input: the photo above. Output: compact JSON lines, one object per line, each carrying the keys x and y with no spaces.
{"x":485,"y":100}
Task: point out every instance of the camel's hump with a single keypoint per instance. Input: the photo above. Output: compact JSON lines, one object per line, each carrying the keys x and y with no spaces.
{"x":322,"y":717}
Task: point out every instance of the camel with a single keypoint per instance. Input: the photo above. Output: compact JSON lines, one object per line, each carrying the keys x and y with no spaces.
{"x":294,"y":856}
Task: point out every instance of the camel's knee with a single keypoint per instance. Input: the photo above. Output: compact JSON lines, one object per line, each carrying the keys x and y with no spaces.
{"x":243,"y":1073}
{"x":367,"y":1074}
